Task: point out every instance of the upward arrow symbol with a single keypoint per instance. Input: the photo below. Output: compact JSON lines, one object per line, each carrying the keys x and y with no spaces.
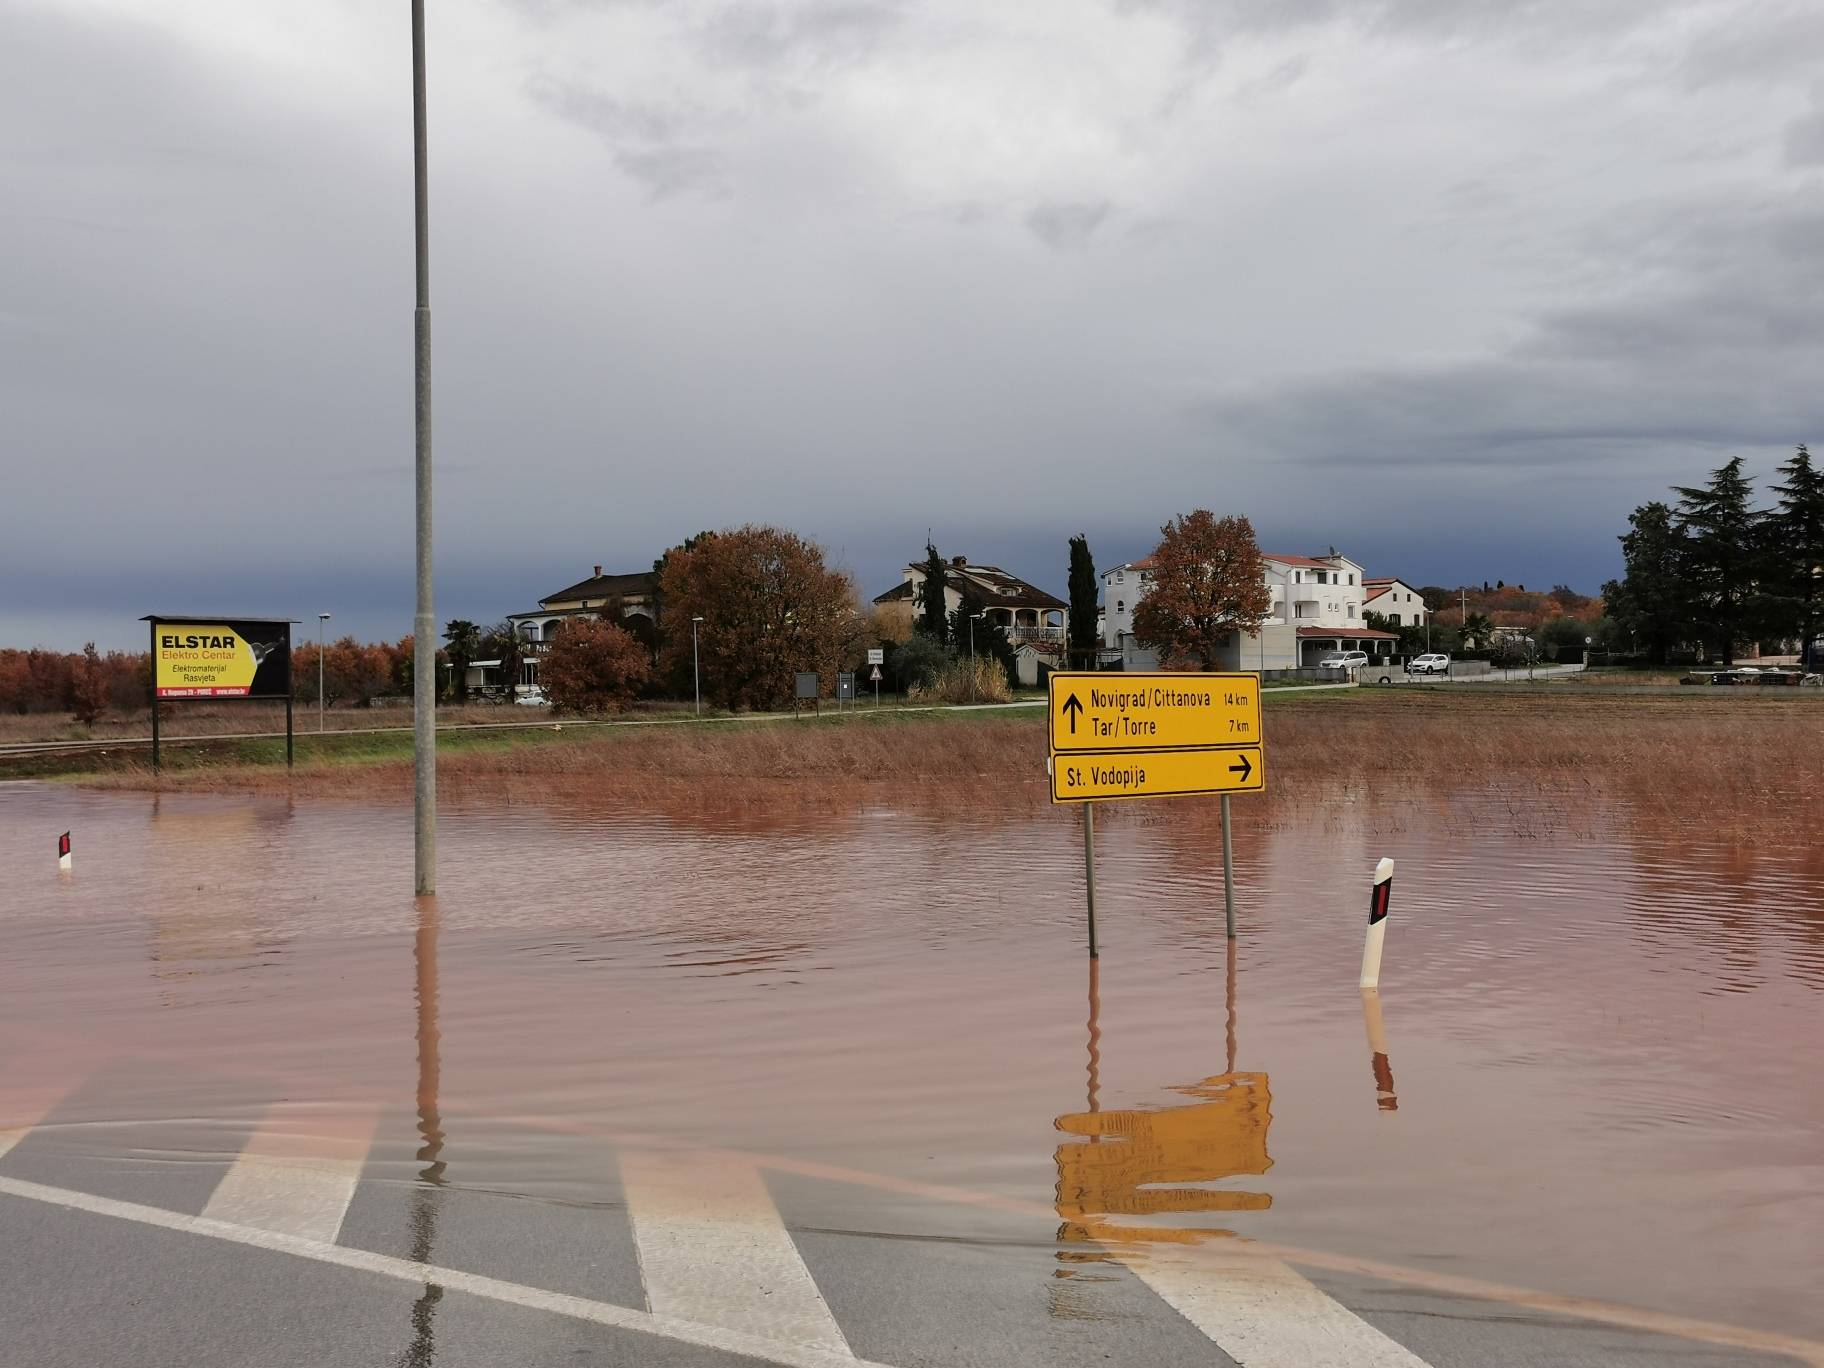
{"x":1071,"y":708}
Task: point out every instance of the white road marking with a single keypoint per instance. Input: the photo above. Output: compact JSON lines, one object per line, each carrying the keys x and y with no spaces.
{"x":293,"y":1180}
{"x":493,"y":1289}
{"x":1262,"y":1313}
{"x":24,"y":1105}
{"x":714,"y":1250}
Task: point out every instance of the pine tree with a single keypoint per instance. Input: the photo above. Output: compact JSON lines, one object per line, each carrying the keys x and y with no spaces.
{"x":933,"y":618}
{"x":1796,"y":539}
{"x":1081,"y":631}
{"x":1649,"y":602}
{"x":1723,"y":542}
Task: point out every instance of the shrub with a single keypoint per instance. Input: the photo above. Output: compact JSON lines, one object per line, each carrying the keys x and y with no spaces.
{"x":953,"y":684}
{"x":917,"y":662}
{"x":593,"y":666}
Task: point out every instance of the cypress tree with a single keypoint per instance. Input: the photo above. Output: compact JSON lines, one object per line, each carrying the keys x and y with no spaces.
{"x":1081,"y":631}
{"x":933,"y":618}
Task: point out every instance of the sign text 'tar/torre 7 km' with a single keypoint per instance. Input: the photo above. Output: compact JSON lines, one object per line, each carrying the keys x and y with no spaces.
{"x":1154,"y":735}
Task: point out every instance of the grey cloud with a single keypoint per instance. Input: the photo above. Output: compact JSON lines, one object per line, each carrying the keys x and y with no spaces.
{"x":1065,"y":227}
{"x":1805,"y":139}
{"x":759,"y":33}
{"x":1717,"y":353}
{"x":1757,"y":44}
{"x":660,"y":146}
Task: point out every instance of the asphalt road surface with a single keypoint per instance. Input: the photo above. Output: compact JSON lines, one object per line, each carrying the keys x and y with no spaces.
{"x":293,"y":1236}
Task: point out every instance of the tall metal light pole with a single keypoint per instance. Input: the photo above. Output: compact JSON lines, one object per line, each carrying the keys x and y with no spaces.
{"x":321,"y":619}
{"x":424,"y":622}
{"x":696,"y":670}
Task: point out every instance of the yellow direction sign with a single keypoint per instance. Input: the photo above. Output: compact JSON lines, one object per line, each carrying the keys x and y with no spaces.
{"x":1157,"y":774}
{"x":1163,"y":710}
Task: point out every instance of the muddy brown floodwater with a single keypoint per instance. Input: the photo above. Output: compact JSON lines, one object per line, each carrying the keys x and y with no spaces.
{"x":1599,"y":1074}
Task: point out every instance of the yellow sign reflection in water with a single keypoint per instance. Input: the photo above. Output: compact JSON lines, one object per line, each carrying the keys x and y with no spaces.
{"x":1129,"y":1161}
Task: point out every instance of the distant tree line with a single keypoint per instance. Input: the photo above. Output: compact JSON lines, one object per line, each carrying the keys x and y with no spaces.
{"x":1712,"y":572}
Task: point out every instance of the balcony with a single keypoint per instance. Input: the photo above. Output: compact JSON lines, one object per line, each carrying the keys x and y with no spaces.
{"x":1034,"y":634}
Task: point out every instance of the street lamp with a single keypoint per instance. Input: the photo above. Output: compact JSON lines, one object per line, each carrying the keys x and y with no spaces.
{"x":321,"y":619}
{"x":972,"y":618}
{"x":696,"y":670}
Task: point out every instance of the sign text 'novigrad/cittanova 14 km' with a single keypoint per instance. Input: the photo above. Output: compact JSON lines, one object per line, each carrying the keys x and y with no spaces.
{"x":1154,"y":735}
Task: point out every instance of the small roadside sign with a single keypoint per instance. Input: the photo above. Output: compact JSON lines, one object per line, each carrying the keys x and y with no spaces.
{"x":845,"y":685}
{"x":1166,"y":710}
{"x":1157,"y":774}
{"x":877,"y":655}
{"x":874,"y":674}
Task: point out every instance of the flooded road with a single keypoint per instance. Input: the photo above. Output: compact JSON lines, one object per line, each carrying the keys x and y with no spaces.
{"x":1597,"y":1037}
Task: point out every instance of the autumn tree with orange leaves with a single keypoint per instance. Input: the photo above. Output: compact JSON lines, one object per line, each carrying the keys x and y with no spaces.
{"x":593,"y":666}
{"x":1208,"y":583}
{"x":770,"y":608}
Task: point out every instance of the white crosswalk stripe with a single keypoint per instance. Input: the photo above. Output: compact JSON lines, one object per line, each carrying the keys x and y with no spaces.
{"x":295,"y":1176}
{"x":714,"y":1249}
{"x":1262,"y":1313}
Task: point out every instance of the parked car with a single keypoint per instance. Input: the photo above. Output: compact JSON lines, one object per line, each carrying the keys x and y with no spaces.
{"x":1432,"y":662}
{"x":1343,"y":660}
{"x":531,"y":697}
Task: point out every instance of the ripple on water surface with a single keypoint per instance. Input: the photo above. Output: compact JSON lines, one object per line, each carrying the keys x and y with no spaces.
{"x":1589,"y":1069}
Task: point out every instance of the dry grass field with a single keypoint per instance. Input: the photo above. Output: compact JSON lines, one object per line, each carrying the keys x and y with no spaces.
{"x":1755,"y":763}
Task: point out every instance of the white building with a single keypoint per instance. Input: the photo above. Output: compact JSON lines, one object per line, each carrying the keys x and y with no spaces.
{"x":1317,"y":605}
{"x":1396,"y":600}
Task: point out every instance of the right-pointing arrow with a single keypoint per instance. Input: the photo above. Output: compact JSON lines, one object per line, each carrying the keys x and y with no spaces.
{"x":1244,"y":769}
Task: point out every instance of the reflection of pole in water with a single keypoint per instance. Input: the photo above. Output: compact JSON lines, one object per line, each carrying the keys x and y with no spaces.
{"x":425,"y":1196}
{"x":1377,"y":1049}
{"x":1095,"y":1034}
{"x":430,"y":1124}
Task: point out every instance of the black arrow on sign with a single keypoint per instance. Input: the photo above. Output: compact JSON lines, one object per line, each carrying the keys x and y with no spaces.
{"x":1071,"y":708}
{"x":1244,"y":769}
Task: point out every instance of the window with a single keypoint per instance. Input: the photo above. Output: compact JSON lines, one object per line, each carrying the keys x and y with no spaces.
{"x":1323,"y":577}
{"x":1394,"y":618}
{"x":1305,"y":609}
{"x":1120,"y":605}
{"x":1352,"y":577}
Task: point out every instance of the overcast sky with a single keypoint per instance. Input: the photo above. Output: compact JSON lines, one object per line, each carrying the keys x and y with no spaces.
{"x":1451,"y":285}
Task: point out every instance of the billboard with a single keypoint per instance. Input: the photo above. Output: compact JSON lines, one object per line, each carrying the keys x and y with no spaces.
{"x":221,"y":657}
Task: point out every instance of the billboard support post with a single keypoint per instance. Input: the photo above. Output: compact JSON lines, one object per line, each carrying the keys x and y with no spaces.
{"x":152,"y":634}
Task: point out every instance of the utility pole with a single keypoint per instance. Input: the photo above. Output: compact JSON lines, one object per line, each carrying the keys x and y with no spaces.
{"x":424,"y":622}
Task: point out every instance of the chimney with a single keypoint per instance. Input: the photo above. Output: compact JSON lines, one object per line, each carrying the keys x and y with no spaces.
{"x":959,"y":561}
{"x":598,"y":572}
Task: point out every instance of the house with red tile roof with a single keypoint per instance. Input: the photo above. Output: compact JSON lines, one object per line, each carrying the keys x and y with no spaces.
{"x":1317,"y":606}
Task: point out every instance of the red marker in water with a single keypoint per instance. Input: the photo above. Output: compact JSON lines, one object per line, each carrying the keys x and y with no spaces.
{"x":1381,"y":895}
{"x":63,"y":852}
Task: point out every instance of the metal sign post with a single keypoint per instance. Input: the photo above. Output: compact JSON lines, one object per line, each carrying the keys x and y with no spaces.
{"x":1089,"y":872}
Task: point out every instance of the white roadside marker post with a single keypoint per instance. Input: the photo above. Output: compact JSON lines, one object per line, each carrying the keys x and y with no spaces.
{"x":63,"y":853}
{"x":1378,"y":899}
